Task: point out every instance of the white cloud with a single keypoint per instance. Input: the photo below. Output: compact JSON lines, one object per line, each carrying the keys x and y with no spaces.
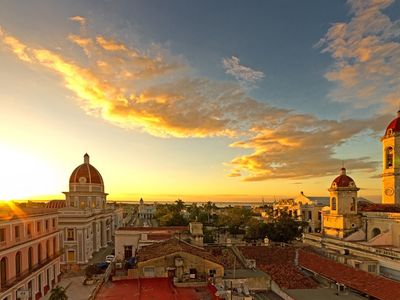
{"x":243,"y":74}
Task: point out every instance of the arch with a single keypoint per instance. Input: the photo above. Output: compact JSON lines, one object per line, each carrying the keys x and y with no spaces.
{"x":389,"y":157}
{"x":30,"y":258}
{"x":376,"y":231}
{"x":3,"y":268}
{"x":333,"y":203}
{"x":18,"y":263}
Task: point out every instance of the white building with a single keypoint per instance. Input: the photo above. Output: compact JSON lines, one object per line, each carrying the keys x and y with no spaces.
{"x":87,"y":222}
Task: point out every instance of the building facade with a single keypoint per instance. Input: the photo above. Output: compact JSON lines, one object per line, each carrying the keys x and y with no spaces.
{"x":87,"y":222}
{"x":29,"y":252}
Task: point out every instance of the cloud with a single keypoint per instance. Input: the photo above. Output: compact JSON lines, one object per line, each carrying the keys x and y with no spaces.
{"x":366,"y":53}
{"x":151,"y":90}
{"x":79,"y":19}
{"x":243,"y":74}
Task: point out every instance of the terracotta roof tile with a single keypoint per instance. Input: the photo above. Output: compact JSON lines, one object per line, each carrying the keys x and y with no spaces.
{"x":279,"y":263}
{"x":364,"y":282}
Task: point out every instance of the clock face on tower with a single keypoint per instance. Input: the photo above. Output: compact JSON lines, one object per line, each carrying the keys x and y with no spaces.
{"x":389,"y":191}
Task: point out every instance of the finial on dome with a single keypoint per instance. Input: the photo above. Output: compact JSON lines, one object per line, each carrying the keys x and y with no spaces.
{"x":86,"y":158}
{"x":343,"y":171}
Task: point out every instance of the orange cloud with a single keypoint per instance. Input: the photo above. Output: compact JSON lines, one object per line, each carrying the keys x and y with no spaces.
{"x":150,"y":91}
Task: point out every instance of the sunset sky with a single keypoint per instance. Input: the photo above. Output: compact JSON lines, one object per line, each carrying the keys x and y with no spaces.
{"x":198,"y":100}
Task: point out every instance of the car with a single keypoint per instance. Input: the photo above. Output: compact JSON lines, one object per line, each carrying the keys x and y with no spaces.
{"x":110,"y":258}
{"x":102,"y":265}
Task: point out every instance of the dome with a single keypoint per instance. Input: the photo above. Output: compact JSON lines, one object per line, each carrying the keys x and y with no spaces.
{"x":343,"y":181}
{"x":86,"y":173}
{"x":394,"y":126}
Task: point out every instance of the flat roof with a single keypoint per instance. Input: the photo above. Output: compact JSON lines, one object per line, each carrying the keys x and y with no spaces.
{"x":151,"y":288}
{"x":321,"y":293}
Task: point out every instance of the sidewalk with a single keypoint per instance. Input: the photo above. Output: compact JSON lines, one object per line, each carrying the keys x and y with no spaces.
{"x":75,"y":289}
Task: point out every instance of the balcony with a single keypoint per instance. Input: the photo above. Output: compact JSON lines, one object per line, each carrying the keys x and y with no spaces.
{"x":24,"y":274}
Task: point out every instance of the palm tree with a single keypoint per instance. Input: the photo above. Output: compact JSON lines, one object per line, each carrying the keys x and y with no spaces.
{"x":58,"y":293}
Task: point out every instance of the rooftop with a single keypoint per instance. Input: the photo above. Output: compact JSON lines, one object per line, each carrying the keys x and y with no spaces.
{"x":151,"y":288}
{"x":172,"y":246}
{"x":361,"y":281}
{"x":9,"y":211}
{"x":279,"y":263}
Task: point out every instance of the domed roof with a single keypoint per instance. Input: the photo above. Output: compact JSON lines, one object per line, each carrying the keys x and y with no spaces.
{"x":343,"y":180}
{"x":393,"y":126}
{"x":56,"y":204}
{"x":86,"y":173}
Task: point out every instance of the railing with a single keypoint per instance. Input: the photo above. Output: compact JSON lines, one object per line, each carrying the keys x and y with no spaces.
{"x":5,"y":285}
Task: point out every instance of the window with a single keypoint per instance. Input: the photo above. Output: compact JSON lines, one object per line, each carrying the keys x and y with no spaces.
{"x":39,"y":226}
{"x":18,"y":263}
{"x":3,"y":266}
{"x":127,"y":252}
{"x":46,"y":224}
{"x":71,"y":255}
{"x":333,"y":203}
{"x":372,"y":268}
{"x":353,"y":204}
{"x":39,"y":253}
{"x":212,"y":273}
{"x":310,"y":215}
{"x":389,"y":157}
{"x":16,"y":233}
{"x":30,"y":258}
{"x":54,"y":245}
{"x":70,"y":234}
{"x":2,"y":235}
{"x":54,"y":222}
{"x":29,"y":229}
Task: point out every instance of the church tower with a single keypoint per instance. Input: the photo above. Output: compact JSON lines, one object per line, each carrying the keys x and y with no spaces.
{"x":342,"y":218}
{"x":391,"y":163}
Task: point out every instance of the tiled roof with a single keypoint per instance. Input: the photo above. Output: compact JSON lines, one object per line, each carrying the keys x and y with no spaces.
{"x":377,"y":207}
{"x":56,"y":204}
{"x":361,"y":281}
{"x":158,"y":229}
{"x":159,"y":236}
{"x":279,"y":263}
{"x":172,"y":246}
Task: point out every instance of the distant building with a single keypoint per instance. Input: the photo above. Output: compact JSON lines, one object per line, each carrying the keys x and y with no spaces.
{"x":128,"y":240}
{"x":87,"y":222}
{"x":304,"y":208}
{"x":29,"y":251}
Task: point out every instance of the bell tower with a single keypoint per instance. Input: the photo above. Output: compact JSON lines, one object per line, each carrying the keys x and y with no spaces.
{"x":391,"y":163}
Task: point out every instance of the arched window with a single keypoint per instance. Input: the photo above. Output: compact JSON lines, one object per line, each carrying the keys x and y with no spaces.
{"x":18,"y":263}
{"x":375,"y":232}
{"x":39,"y":253}
{"x":333,"y":203}
{"x":30,"y":258}
{"x":3,"y":267}
{"x":353,"y":204}
{"x":389,"y":157}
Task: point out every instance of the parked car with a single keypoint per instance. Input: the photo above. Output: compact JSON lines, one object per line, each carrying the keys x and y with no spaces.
{"x":102,"y":265}
{"x":110,"y":258}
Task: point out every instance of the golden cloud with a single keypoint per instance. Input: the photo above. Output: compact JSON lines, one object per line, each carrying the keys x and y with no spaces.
{"x":366,"y":51}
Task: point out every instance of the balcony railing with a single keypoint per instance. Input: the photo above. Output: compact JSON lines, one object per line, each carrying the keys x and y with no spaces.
{"x":5,"y":285}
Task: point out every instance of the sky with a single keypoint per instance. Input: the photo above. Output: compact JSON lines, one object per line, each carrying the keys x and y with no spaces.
{"x":197,"y":100}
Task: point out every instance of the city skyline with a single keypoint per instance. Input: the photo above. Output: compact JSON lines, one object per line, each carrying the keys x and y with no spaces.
{"x":202,"y":101}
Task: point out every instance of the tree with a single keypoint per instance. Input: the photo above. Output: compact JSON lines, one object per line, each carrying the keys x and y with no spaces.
{"x":58,"y":293}
{"x":284,"y":229}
